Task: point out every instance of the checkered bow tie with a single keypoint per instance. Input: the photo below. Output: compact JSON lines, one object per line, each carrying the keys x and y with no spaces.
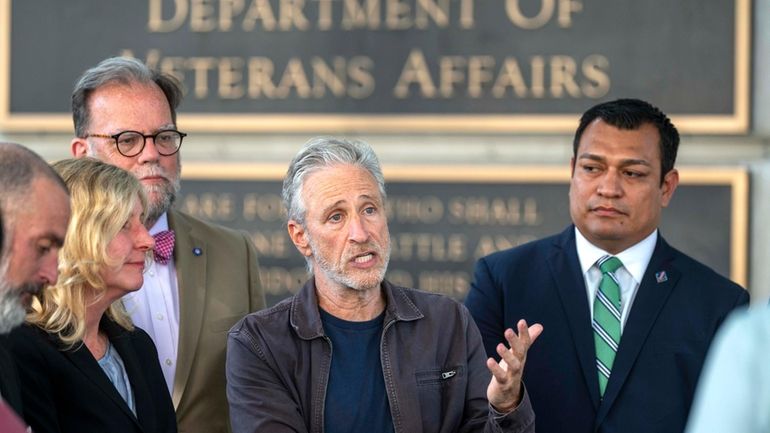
{"x":164,"y":246}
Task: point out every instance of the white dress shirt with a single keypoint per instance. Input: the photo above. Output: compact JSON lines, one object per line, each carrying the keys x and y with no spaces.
{"x":635,"y":260}
{"x":155,"y":308}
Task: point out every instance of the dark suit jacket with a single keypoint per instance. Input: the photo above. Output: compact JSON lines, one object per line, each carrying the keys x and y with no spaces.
{"x":67,"y":390}
{"x":9,"y":377}
{"x":661,"y":352}
{"x":218,"y":282}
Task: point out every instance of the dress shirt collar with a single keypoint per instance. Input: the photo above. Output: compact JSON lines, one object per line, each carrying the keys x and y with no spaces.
{"x":160,"y":225}
{"x":635,"y":259}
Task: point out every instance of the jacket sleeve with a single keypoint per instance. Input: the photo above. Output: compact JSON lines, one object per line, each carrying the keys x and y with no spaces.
{"x":256,"y":292}
{"x":479,"y":411}
{"x":36,"y":376}
{"x":259,"y":401}
{"x":485,"y":303}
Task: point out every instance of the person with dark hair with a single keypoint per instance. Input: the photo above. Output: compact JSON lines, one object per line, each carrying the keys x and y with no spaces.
{"x":629,"y":317}
{"x":35,"y":205}
{"x":351,"y":352}
{"x":205,"y":277}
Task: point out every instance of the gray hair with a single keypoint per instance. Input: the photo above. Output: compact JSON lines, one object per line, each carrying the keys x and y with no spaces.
{"x":19,"y":168}
{"x":121,"y":70}
{"x":321,"y":152}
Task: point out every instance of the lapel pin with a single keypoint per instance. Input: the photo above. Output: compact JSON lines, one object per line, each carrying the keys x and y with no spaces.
{"x":661,"y":277}
{"x":197,"y":251}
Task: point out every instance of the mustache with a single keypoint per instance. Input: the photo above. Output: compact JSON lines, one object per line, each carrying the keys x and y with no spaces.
{"x":369,"y":247}
{"x":34,"y":289}
{"x":151,"y":171}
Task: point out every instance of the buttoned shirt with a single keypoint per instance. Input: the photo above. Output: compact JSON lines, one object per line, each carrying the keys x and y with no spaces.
{"x":635,"y":260}
{"x":155,"y":308}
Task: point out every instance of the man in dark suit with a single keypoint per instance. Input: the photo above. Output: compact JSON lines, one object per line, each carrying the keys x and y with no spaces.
{"x":628,"y":318}
{"x":204,"y":277}
{"x":35,"y":206}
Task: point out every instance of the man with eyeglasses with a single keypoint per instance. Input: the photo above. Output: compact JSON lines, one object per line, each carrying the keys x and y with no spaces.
{"x":204,"y":277}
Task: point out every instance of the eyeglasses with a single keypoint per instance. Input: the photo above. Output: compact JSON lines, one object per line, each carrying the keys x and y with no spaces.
{"x":131,"y":143}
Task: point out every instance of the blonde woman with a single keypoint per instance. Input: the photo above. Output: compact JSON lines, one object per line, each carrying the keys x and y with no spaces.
{"x":84,"y":367}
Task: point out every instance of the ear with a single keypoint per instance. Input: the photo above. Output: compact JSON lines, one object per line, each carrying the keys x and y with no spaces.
{"x":299,"y":237}
{"x":670,"y":182}
{"x":79,"y":147}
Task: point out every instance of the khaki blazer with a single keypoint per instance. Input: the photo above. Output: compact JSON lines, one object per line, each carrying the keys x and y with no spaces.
{"x":218,"y":282}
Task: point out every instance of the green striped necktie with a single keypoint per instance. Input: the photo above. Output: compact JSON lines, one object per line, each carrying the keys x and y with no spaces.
{"x":606,"y":322}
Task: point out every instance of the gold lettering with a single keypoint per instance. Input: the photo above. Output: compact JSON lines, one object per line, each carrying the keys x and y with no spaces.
{"x":210,"y":206}
{"x":292,"y":15}
{"x":324,"y":77}
{"x":294,"y":76}
{"x":202,"y":16}
{"x":414,"y":209}
{"x":454,"y":284}
{"x":466,"y":14}
{"x":457,"y":246}
{"x":596,"y":70}
{"x":324,"y":14}
{"x":228,"y":9}
{"x":360,"y":73}
{"x":259,"y":10}
{"x":201,"y":66}
{"x":355,"y":16}
{"x":439,"y":13}
{"x":262,"y":207}
{"x":271,"y":244}
{"x":532,"y":216}
{"x":427,"y":247}
{"x":231,"y":78}
{"x":173,"y":66}
{"x":537,"y":65}
{"x":509,"y":76}
{"x":479,"y":73}
{"x":397,"y":15}
{"x":566,"y":9}
{"x":500,"y":211}
{"x":449,"y":74}
{"x":400,"y":278}
{"x":563,"y":69}
{"x":536,"y":22}
{"x":415,"y":72}
{"x":261,"y":78}
{"x":155,"y":21}
{"x":280,"y":282}
{"x":489,"y":244}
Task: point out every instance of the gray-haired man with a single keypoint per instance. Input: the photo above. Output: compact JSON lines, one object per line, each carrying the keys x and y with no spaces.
{"x":204,"y":277}
{"x":352,"y":352}
{"x":36,"y":209}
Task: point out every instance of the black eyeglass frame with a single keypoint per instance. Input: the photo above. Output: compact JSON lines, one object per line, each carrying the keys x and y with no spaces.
{"x":182,"y":135}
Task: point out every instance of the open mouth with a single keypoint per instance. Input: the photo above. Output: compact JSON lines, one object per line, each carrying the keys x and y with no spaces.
{"x":364,"y":258}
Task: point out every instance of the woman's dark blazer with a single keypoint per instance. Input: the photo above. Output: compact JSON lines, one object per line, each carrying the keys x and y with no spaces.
{"x":67,"y":391}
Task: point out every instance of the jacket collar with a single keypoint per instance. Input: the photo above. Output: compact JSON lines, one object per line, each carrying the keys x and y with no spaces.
{"x":306,"y":320}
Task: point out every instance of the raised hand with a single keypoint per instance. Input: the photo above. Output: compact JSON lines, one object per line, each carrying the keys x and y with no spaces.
{"x":504,"y":391}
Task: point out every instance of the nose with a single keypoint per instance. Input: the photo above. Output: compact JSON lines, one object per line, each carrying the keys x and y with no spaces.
{"x":49,"y":270}
{"x":357,"y":231}
{"x":150,"y":152}
{"x":143,"y":240}
{"x":609,"y":185}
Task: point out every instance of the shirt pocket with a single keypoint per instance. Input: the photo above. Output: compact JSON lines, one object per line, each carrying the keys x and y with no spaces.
{"x":438,"y":390}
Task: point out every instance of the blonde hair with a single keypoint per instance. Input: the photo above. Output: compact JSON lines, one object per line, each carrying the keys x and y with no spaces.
{"x":103,"y":198}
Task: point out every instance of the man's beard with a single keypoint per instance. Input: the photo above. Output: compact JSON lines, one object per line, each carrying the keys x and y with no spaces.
{"x":12,"y":312}
{"x":161,"y":198}
{"x":336,"y":272}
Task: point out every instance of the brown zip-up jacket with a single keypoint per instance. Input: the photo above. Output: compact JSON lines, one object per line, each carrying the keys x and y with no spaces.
{"x":433,"y":363}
